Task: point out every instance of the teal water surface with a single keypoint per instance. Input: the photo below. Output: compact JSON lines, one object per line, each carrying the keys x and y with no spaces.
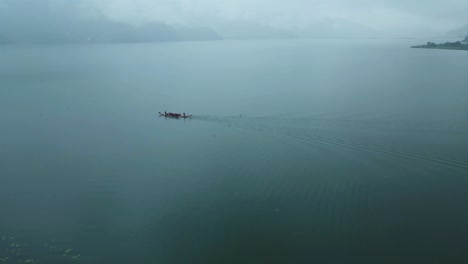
{"x":299,"y":151}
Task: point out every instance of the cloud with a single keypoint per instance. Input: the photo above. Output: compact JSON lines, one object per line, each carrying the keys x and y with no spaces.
{"x":384,"y":15}
{"x":379,"y":14}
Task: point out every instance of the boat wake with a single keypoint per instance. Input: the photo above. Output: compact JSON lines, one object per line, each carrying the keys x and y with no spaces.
{"x":394,"y":138}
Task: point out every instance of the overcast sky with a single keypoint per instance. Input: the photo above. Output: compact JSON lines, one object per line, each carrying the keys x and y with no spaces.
{"x":439,"y":15}
{"x":386,"y":15}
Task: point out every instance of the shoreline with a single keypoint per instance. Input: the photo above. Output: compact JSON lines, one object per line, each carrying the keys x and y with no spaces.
{"x":446,"y":48}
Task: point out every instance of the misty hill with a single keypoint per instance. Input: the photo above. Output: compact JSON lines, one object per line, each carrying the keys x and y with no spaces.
{"x":248,"y":30}
{"x":458,"y":32}
{"x":152,"y":32}
{"x":105,"y":31}
{"x":332,"y":28}
{"x":196,"y":33}
{"x":34,"y":22}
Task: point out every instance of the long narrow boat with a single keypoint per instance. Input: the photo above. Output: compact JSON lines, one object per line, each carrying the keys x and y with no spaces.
{"x":175,"y":115}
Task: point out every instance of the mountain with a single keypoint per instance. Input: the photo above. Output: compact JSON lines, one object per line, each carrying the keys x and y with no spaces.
{"x":333,"y":28}
{"x":153,"y":32}
{"x":29,"y":21}
{"x":160,"y":32}
{"x":99,"y":31}
{"x":458,"y":32}
{"x":106,"y":31}
{"x":251,"y":30}
{"x":196,"y":33}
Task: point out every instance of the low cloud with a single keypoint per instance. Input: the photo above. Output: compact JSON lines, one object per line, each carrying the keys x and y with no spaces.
{"x":394,"y":18}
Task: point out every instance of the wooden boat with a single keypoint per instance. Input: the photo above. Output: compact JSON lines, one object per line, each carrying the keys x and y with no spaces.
{"x":173,"y":115}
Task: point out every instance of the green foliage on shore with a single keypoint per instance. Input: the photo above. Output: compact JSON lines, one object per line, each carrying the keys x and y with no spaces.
{"x":457,"y":45}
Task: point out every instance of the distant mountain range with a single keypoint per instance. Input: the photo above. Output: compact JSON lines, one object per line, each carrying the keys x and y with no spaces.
{"x":335,"y":28}
{"x":458,"y":32}
{"x":196,"y":33}
{"x":328,"y":28}
{"x":62,"y":21}
{"x":104,"y":31}
{"x":252,"y":30}
{"x":31,"y":21}
{"x":43,"y":24}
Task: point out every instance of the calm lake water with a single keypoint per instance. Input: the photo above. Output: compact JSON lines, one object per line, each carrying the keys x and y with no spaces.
{"x":299,"y":151}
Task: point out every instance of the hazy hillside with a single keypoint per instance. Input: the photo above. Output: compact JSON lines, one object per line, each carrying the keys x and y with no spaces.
{"x":458,"y":32}
{"x":248,"y":30}
{"x":43,"y":24}
{"x":335,"y":29}
{"x":196,"y":33}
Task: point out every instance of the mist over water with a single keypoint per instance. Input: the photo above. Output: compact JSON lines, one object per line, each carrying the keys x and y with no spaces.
{"x":299,"y":151}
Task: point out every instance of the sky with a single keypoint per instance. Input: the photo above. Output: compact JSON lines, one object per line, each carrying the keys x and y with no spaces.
{"x":386,"y":15}
{"x":393,"y":16}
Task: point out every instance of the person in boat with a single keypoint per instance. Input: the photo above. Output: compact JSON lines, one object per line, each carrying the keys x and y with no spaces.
{"x":183,"y":114}
{"x":165,"y":113}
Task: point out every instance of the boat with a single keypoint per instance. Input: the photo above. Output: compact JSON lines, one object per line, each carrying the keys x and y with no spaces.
{"x":174,"y":115}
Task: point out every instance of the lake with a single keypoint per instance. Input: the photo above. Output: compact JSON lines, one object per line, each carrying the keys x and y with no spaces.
{"x":299,"y":151}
